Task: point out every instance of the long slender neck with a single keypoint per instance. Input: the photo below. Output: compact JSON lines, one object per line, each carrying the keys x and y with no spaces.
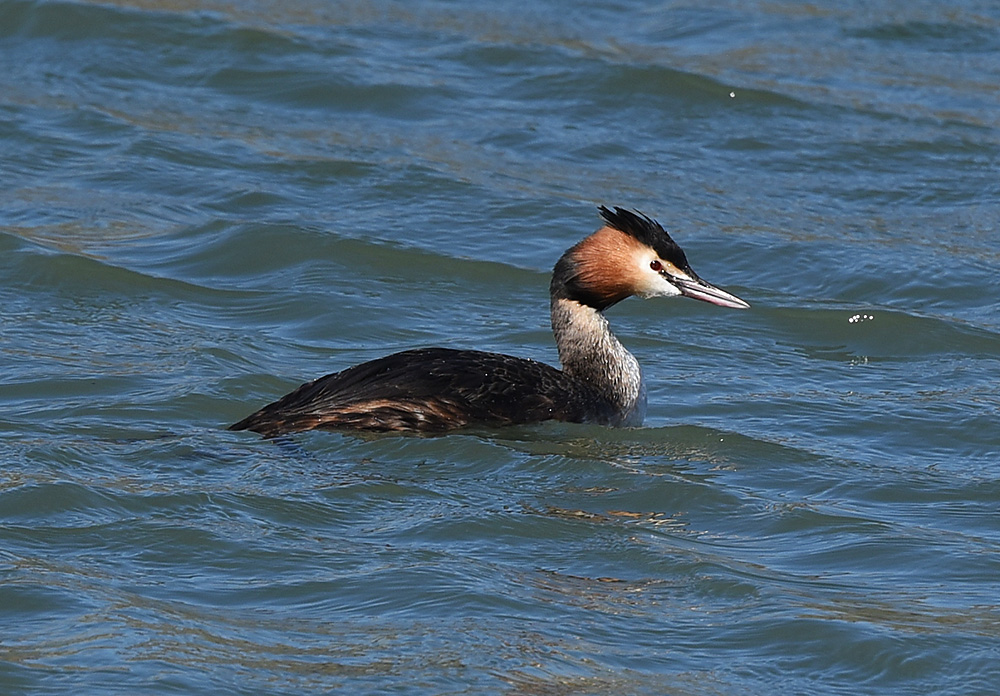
{"x":590,"y":353}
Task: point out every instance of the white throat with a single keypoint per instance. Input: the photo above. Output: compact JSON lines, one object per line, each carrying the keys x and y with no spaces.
{"x":589,"y":352}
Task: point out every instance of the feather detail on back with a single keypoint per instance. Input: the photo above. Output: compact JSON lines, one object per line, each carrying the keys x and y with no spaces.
{"x":430,"y":390}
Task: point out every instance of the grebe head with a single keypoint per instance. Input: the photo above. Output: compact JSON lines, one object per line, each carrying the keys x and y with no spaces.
{"x":631,"y":255}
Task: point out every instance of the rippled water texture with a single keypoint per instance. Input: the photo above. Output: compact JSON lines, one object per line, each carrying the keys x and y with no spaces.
{"x":204,"y":204}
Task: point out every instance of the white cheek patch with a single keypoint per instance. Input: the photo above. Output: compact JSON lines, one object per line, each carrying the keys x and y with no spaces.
{"x":665,"y":289}
{"x":652,"y":283}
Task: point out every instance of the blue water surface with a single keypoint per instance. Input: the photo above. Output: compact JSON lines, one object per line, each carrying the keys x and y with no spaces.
{"x":205,"y":204}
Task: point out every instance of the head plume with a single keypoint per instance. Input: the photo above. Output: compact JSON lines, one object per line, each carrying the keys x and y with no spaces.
{"x":646,"y":231}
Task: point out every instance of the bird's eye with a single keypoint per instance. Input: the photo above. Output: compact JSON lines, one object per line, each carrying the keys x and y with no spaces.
{"x":656,"y":265}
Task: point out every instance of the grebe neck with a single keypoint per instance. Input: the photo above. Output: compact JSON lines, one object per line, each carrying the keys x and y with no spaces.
{"x":590,"y":353}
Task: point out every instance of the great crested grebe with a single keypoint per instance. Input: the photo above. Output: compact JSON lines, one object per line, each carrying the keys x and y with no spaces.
{"x":438,"y":389}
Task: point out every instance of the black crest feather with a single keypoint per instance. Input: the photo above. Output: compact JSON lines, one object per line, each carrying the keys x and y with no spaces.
{"x":647,"y":231}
